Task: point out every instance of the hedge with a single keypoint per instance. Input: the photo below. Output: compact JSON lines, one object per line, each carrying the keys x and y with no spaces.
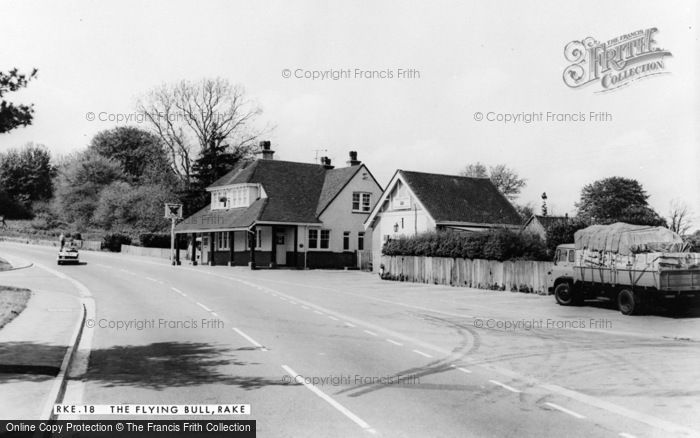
{"x":155,"y":240}
{"x":113,"y":242}
{"x":500,"y":244}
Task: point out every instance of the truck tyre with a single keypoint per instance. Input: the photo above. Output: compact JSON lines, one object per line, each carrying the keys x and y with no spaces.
{"x":564,"y":294}
{"x":628,"y":302}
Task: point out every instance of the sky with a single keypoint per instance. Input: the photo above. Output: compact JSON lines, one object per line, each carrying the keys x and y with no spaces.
{"x":489,"y":57}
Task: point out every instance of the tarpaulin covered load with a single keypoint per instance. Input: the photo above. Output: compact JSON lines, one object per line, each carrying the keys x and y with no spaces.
{"x":626,"y":239}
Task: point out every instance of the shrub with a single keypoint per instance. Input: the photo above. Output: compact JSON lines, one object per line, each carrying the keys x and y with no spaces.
{"x":155,"y":240}
{"x":499,"y":244}
{"x":113,"y":242}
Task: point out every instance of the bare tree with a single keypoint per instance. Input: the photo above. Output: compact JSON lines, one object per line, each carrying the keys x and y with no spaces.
{"x":190,"y":116}
{"x":505,"y":179}
{"x":680,"y":217}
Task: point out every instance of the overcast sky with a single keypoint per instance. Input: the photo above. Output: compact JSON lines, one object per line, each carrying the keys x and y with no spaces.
{"x":485,"y":56}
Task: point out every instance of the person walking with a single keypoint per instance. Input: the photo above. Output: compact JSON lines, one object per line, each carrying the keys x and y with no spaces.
{"x":62,"y":241}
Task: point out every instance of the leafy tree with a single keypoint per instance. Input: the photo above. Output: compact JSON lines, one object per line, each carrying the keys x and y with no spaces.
{"x":140,"y":153}
{"x":617,"y":199}
{"x":11,"y":115}
{"x":525,"y":210}
{"x":563,"y":232}
{"x":504,"y":178}
{"x":79,"y":184}
{"x":124,"y":207}
{"x":25,"y":178}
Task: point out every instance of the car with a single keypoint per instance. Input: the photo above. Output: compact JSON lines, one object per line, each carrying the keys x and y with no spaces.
{"x":68,"y":256}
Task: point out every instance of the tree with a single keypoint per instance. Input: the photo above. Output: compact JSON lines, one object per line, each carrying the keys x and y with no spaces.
{"x":126,"y":208}
{"x":617,"y":199}
{"x":11,"y":115}
{"x":189,"y":116}
{"x":680,"y":217}
{"x":79,"y":185}
{"x":505,"y":179}
{"x":526,"y":211}
{"x":140,"y":153}
{"x":563,"y":232}
{"x":26,"y":177}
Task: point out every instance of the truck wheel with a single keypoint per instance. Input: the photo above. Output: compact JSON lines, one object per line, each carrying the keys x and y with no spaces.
{"x":627,"y":302}
{"x":564,"y":294}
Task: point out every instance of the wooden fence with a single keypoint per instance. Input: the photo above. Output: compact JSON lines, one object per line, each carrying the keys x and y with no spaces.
{"x":524,"y":276}
{"x":92,"y":245}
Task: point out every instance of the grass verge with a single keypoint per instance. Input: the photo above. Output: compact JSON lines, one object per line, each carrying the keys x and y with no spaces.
{"x":13,"y":300}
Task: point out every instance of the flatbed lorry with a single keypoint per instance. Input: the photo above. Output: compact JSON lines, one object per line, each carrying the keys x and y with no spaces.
{"x":634,"y":266}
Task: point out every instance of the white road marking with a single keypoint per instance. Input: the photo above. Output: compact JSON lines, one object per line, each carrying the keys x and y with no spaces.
{"x":292,"y":302}
{"x":342,"y":409}
{"x":179,"y":291}
{"x":304,"y":307}
{"x":566,"y":411}
{"x":332,"y":317}
{"x":503,"y":385}
{"x":626,"y":435}
{"x":349,"y":324}
{"x":152,"y":279}
{"x":317,"y":312}
{"x":659,"y":423}
{"x":464,"y":370}
{"x":421,"y":353}
{"x":391,"y":341}
{"x":214,"y":314}
{"x":203,"y":306}
{"x":249,"y":339}
{"x":370,"y":333}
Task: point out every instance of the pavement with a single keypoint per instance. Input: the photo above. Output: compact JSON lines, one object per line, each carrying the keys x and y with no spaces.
{"x":342,"y":353}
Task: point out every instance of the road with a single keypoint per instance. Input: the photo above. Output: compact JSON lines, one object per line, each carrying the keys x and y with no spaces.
{"x":339,"y":353}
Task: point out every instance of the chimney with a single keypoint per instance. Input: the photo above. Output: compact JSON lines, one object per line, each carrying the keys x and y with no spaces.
{"x":265,"y":151}
{"x":326,"y":163}
{"x":353,"y":161}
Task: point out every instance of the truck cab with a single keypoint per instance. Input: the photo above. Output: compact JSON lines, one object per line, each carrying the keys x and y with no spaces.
{"x":563,"y":269}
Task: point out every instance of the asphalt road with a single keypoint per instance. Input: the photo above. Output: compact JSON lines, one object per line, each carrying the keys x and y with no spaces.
{"x":379,"y":358}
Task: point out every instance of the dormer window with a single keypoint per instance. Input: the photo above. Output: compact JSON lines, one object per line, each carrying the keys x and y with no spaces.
{"x":236,"y":196}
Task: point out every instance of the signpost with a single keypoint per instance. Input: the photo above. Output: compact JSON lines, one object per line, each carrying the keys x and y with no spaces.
{"x":173,"y":212}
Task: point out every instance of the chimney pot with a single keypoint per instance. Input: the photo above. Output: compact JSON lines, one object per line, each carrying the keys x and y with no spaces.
{"x":353,"y":161}
{"x":265,"y":150}
{"x":326,"y":162}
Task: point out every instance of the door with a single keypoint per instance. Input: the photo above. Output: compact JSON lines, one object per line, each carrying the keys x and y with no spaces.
{"x":205,"y":250}
{"x":281,"y":248}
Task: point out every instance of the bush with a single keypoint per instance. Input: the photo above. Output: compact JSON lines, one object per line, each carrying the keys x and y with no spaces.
{"x":500,"y":244}
{"x":113,"y":242}
{"x":561,"y":233}
{"x":155,"y":240}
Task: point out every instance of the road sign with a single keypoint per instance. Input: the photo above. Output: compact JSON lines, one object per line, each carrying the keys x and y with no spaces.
{"x":173,"y":211}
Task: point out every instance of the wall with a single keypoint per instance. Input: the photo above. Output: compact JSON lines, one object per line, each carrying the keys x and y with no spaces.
{"x":338,"y":216}
{"x":163,"y":253}
{"x":483,"y":274}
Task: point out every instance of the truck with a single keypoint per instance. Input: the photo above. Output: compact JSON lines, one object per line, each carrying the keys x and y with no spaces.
{"x":636,"y":267}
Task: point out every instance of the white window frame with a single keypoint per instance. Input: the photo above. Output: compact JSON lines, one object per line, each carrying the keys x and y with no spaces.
{"x":328,"y":240}
{"x":346,"y":238}
{"x":317,"y":238}
{"x":364,"y":202}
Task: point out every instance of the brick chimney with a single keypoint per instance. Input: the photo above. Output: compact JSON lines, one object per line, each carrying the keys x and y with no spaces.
{"x":265,"y":152}
{"x":353,"y":161}
{"x":326,"y":163}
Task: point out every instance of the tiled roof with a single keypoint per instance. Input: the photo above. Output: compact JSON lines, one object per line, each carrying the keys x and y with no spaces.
{"x":295,"y":193}
{"x":334,"y":182}
{"x":548,"y":221}
{"x":207,"y":219}
{"x":461,"y":199}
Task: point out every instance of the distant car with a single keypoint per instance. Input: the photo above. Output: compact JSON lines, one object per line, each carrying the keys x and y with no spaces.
{"x":68,"y":255}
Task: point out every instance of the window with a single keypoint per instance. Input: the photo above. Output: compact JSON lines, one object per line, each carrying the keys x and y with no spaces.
{"x":346,"y":240}
{"x":325,"y":239}
{"x":222,"y":240}
{"x":258,"y":238}
{"x":361,"y":202}
{"x":571,"y":255}
{"x":313,"y":238}
{"x":361,"y":241}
